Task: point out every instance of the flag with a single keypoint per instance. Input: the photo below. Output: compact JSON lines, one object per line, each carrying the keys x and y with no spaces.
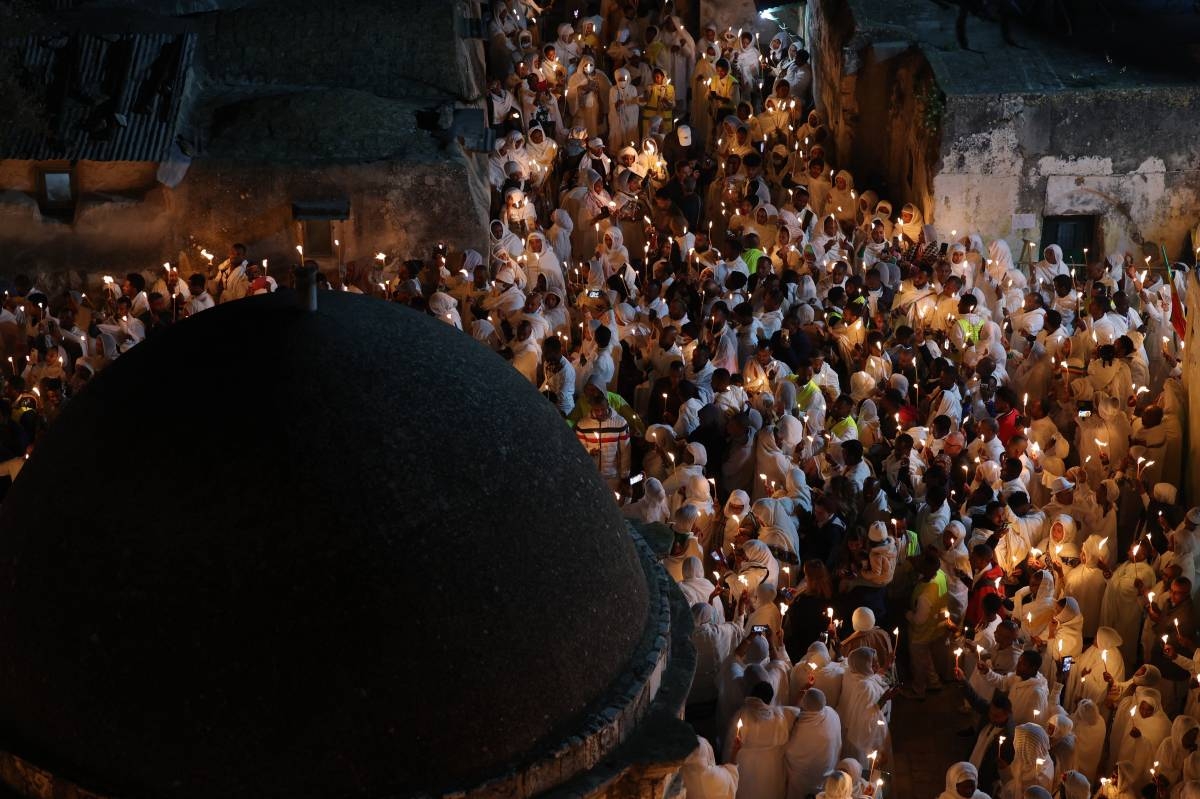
{"x":1178,"y":321}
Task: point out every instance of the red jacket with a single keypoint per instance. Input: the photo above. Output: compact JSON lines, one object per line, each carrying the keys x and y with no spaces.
{"x":984,"y":584}
{"x":1007,"y":426}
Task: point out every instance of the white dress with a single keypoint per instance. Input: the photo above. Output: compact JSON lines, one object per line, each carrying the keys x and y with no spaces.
{"x":762,"y":772}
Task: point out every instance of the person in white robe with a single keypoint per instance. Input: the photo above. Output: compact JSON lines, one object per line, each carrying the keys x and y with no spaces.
{"x":818,"y":670}
{"x":653,"y":508}
{"x":814,"y":745}
{"x":1175,"y":748}
{"x":1032,"y":765}
{"x":864,"y":703}
{"x":703,"y":778}
{"x":757,"y":737}
{"x":697,"y":588}
{"x":445,"y":309}
{"x":715,"y":640}
{"x":1122,"y":783}
{"x":1061,"y":730}
{"x":1087,"y":680}
{"x":1147,"y":728}
{"x":1026,"y":687}
{"x":962,"y":782}
{"x":1090,"y":732}
{"x":1086,"y":581}
{"x":624,"y":112}
{"x":1122,"y":607}
{"x":587,"y":96}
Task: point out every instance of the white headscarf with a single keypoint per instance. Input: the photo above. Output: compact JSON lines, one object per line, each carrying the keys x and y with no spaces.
{"x":960,"y":772}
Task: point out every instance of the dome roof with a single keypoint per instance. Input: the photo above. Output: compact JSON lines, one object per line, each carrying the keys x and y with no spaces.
{"x":272,"y":552}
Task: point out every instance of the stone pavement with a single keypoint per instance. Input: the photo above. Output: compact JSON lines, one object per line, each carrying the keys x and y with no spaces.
{"x":924,"y":744}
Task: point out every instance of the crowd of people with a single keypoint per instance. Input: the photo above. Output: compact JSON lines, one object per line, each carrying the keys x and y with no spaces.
{"x":890,"y":460}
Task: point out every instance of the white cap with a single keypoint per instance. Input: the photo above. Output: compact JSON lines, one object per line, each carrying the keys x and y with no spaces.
{"x":1060,"y":484}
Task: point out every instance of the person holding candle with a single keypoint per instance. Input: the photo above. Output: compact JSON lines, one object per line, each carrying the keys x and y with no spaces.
{"x":817,"y":670}
{"x":715,"y":640}
{"x":1175,"y":749}
{"x":864,"y":702}
{"x":1173,"y":616}
{"x":230,"y":282}
{"x":1025,"y":687}
{"x":1125,"y":696}
{"x":757,"y":744}
{"x":1122,"y":608}
{"x":1097,"y":668}
{"x":807,"y":618}
{"x":1146,"y":729}
{"x":1032,"y":767}
{"x":996,"y":728}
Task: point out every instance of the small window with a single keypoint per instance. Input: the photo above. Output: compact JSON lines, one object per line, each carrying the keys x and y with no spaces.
{"x":57,"y":192}
{"x":318,"y":238}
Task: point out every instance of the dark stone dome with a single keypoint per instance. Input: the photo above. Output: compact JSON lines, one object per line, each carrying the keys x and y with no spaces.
{"x":279,"y":553}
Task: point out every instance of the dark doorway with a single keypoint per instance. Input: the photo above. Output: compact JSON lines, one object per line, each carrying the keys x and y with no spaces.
{"x":1073,"y":233}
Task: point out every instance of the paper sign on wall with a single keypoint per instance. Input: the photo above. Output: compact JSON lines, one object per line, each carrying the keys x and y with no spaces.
{"x":1024,"y":221}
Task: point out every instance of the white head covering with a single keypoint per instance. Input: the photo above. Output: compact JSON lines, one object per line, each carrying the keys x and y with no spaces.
{"x":861,"y":661}
{"x":862,"y":385}
{"x":863,"y":619}
{"x":959,"y":772}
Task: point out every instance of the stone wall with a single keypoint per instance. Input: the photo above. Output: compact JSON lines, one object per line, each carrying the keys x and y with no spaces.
{"x":873,"y":92}
{"x":1126,"y":156}
{"x":398,"y":207}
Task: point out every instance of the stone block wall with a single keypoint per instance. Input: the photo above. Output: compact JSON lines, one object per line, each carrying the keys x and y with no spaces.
{"x":873,"y":89}
{"x":1128,"y":157}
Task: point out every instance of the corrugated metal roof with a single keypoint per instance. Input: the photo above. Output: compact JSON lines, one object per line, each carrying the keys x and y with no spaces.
{"x":109,"y":97}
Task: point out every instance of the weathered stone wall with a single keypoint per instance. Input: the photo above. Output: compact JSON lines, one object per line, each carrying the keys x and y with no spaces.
{"x":1129,"y":157}
{"x":399,"y":207}
{"x":91,"y":176}
{"x":872,"y":90}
